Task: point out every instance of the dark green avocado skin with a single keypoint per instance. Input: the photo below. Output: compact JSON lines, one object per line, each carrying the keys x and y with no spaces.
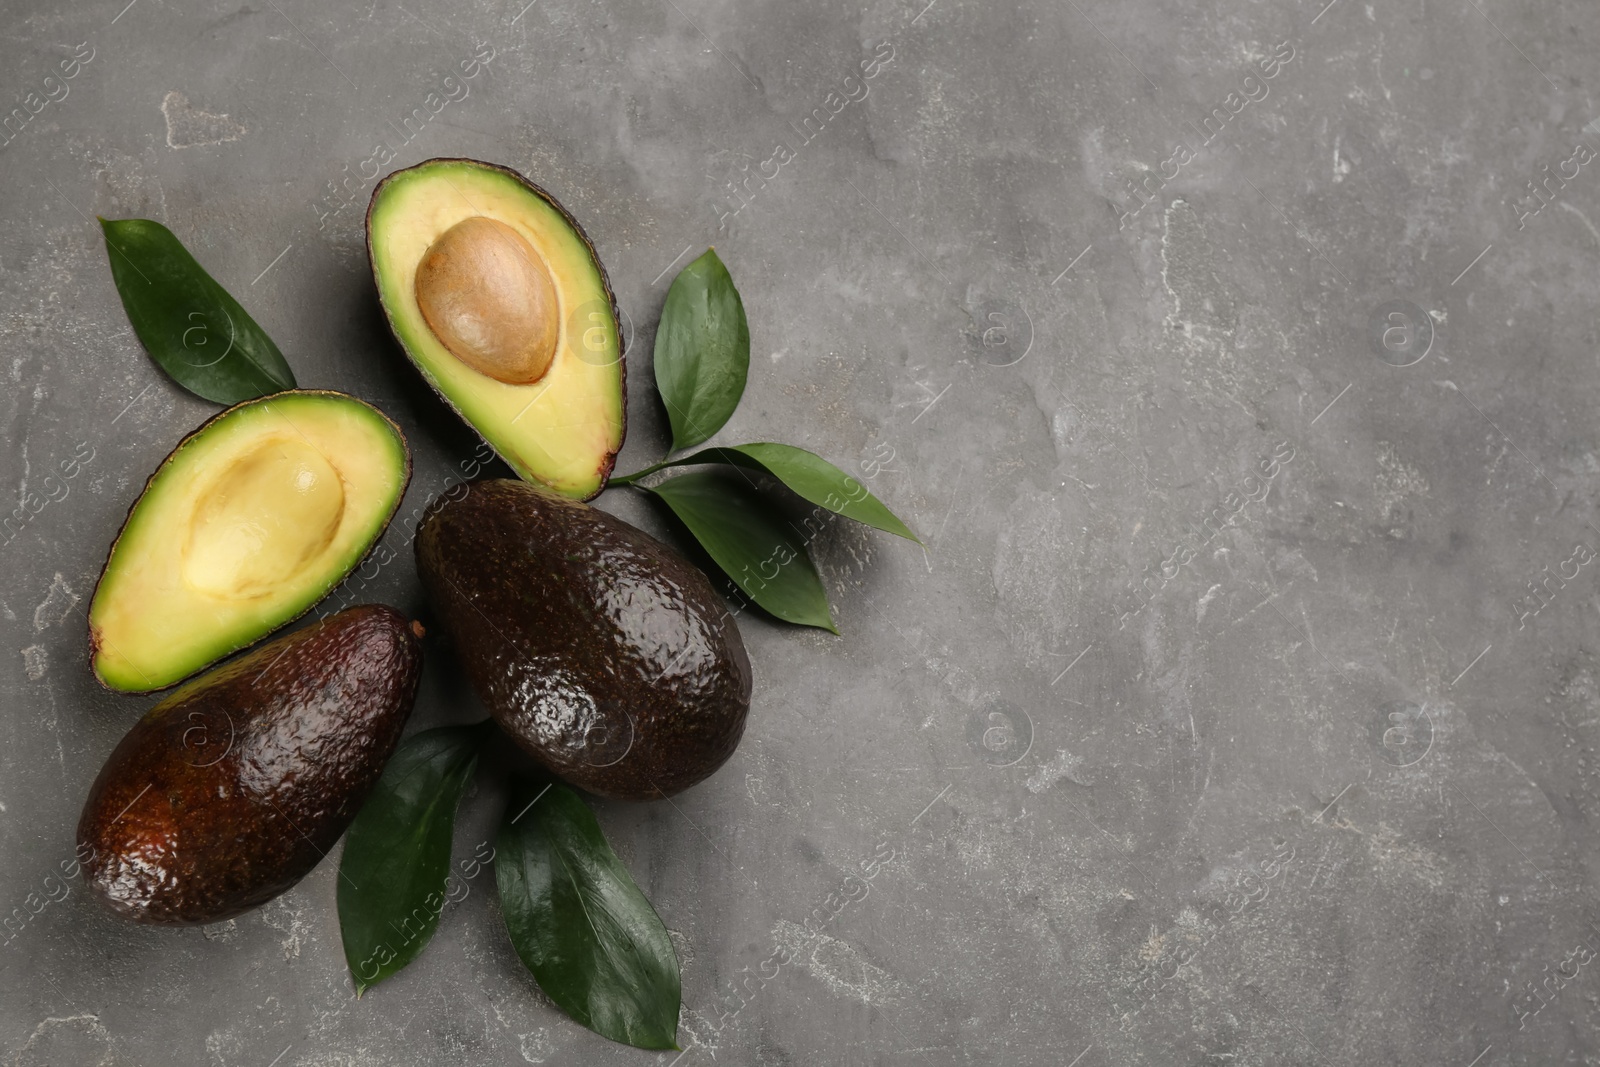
{"x":230,"y":790}
{"x":601,"y":651}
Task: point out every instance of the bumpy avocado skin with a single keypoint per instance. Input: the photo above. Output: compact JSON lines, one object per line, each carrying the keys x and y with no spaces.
{"x":233,"y":788}
{"x":604,"y":653}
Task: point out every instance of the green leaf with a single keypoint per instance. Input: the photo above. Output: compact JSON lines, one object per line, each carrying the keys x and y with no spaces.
{"x":186,"y":321}
{"x":742,"y":533}
{"x":810,"y":476}
{"x":593,"y":942}
{"x":392,"y":876}
{"x":702,"y":354}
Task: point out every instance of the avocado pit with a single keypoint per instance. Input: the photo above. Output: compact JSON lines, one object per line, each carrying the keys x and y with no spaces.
{"x":489,"y":299}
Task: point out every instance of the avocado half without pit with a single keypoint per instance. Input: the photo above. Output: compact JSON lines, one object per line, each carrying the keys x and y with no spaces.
{"x":250,"y":521}
{"x":496,"y":294}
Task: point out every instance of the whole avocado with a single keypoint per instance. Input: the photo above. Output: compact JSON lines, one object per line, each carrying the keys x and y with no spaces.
{"x":601,"y":651}
{"x":233,"y":788}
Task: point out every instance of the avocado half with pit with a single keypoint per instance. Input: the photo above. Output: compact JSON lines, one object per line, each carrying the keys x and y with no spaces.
{"x":496,"y":294}
{"x":251,"y":520}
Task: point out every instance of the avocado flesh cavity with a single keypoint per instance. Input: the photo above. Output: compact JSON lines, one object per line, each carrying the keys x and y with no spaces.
{"x":273,"y":510}
{"x":234,"y":787}
{"x":479,"y":333}
{"x":601,"y":651}
{"x":250,"y":521}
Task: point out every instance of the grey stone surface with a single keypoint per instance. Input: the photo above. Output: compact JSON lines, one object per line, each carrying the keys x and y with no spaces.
{"x":1154,"y":758}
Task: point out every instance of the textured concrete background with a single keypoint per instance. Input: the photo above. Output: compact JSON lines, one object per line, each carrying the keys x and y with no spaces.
{"x":1219,"y":723}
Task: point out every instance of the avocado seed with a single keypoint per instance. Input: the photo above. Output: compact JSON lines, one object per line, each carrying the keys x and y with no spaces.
{"x":488,"y":298}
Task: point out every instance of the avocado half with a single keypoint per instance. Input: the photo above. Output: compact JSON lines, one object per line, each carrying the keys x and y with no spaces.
{"x":496,"y":294}
{"x":251,"y":520}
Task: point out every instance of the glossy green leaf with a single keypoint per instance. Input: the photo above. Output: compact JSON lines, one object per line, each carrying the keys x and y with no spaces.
{"x":808,"y":474}
{"x":702,"y":353}
{"x":393,"y":874}
{"x":750,"y":541}
{"x":578,"y":921}
{"x":188,"y":323}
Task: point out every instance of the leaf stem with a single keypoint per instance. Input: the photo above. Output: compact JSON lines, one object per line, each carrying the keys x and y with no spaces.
{"x":630,"y":479}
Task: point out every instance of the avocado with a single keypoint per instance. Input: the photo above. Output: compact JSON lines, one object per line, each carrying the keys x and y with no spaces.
{"x":601,"y":651}
{"x":496,"y":294}
{"x":250,"y":521}
{"x":232,"y":788}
